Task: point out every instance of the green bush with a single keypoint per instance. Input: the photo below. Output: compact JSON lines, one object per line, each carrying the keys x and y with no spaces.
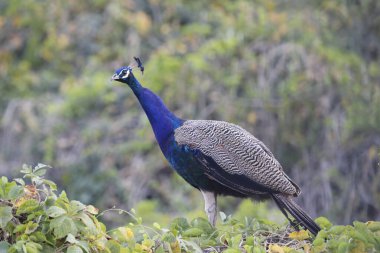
{"x":34,"y":218}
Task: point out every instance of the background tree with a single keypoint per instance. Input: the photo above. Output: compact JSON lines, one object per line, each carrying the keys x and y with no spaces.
{"x":303,"y":77}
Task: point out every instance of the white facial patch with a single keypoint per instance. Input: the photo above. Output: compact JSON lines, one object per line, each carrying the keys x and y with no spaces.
{"x":126,"y":74}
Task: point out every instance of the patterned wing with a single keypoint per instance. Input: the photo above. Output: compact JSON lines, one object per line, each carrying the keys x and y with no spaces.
{"x":237,"y":152}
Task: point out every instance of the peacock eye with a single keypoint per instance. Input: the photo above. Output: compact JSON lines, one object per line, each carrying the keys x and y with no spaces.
{"x":124,"y":73}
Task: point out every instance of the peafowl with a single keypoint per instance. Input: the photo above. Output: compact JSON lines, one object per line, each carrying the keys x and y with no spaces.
{"x":217,"y":157}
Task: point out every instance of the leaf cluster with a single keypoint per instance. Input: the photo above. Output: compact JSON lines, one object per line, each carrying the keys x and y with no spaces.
{"x":34,"y":218}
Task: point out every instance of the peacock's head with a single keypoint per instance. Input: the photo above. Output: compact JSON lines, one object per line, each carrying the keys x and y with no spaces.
{"x":122,"y":74}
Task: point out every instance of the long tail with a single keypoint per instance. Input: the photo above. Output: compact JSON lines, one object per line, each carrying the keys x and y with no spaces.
{"x":287,"y":205}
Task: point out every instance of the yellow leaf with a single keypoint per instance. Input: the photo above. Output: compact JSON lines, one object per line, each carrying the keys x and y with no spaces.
{"x":306,"y":248}
{"x":275,"y":248}
{"x":359,"y":247}
{"x":92,"y":210}
{"x":30,"y":193}
{"x":175,"y":247}
{"x":156,"y":225}
{"x":20,"y":201}
{"x":373,"y":225}
{"x":145,"y":248}
{"x":127,"y":233}
{"x":299,"y":235}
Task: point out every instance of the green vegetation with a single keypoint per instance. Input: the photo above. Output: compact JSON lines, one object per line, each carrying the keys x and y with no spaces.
{"x":303,"y":76}
{"x":34,"y":218}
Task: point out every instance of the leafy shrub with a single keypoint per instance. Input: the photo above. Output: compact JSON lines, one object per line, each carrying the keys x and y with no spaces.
{"x":33,"y":218}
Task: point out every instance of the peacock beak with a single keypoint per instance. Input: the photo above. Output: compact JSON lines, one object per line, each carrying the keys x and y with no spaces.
{"x":115,"y":77}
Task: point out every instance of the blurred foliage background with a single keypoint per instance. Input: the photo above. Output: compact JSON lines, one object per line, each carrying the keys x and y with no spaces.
{"x":303,"y":76}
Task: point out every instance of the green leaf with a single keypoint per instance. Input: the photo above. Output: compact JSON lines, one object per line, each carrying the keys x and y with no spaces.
{"x":48,"y":249}
{"x":4,"y":180}
{"x":318,"y":241}
{"x":32,"y":247}
{"x":113,"y":246}
{"x":55,"y":211}
{"x":373,"y":225}
{"x":179,"y":224}
{"x":62,"y":226}
{"x":20,"y":228}
{"x":15,"y":192}
{"x":84,"y":245}
{"x":3,"y":183}
{"x":62,"y":200}
{"x":26,"y":169}
{"x":40,"y":172}
{"x":156,"y":225}
{"x":342,"y":247}
{"x":50,"y":201}
{"x":236,"y":240}
{"x":40,"y":169}
{"x":250,"y":240}
{"x":20,"y":181}
{"x":92,"y":210}
{"x":71,"y":239}
{"x":207,"y":243}
{"x":40,"y":236}
{"x":102,"y":226}
{"x":362,"y":232}
{"x":76,"y":206}
{"x":9,"y":190}
{"x":31,"y":227}
{"x":50,"y":183}
{"x":248,"y":248}
{"x":323,"y":222}
{"x":88,"y":222}
{"x":193,"y":232}
{"x":159,"y":249}
{"x":223,"y":216}
{"x":202,"y":224}
{"x":360,"y":236}
{"x":231,"y":250}
{"x":36,"y":180}
{"x":74,"y":249}
{"x":7,"y":187}
{"x":168,"y":237}
{"x":5,"y":215}
{"x":35,"y":214}
{"x":191,"y":246}
{"x":28,"y":206}
{"x":259,"y":249}
{"x":337,"y":230}
{"x":147,"y":242}
{"x":4,"y":246}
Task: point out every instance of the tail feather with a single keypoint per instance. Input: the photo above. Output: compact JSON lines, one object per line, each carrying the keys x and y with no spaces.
{"x":287,"y":205}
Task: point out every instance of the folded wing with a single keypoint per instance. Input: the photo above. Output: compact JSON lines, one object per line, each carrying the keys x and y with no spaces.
{"x":234,"y":157}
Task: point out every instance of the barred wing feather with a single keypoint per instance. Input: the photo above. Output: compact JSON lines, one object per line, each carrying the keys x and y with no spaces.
{"x":237,"y":152}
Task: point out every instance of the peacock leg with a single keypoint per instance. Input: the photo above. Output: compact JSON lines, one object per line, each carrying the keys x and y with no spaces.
{"x":210,"y":206}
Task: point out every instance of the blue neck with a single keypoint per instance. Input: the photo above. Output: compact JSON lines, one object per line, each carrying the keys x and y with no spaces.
{"x":162,"y":120}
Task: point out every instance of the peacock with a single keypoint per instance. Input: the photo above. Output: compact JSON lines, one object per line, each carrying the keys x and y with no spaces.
{"x":217,"y":157}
